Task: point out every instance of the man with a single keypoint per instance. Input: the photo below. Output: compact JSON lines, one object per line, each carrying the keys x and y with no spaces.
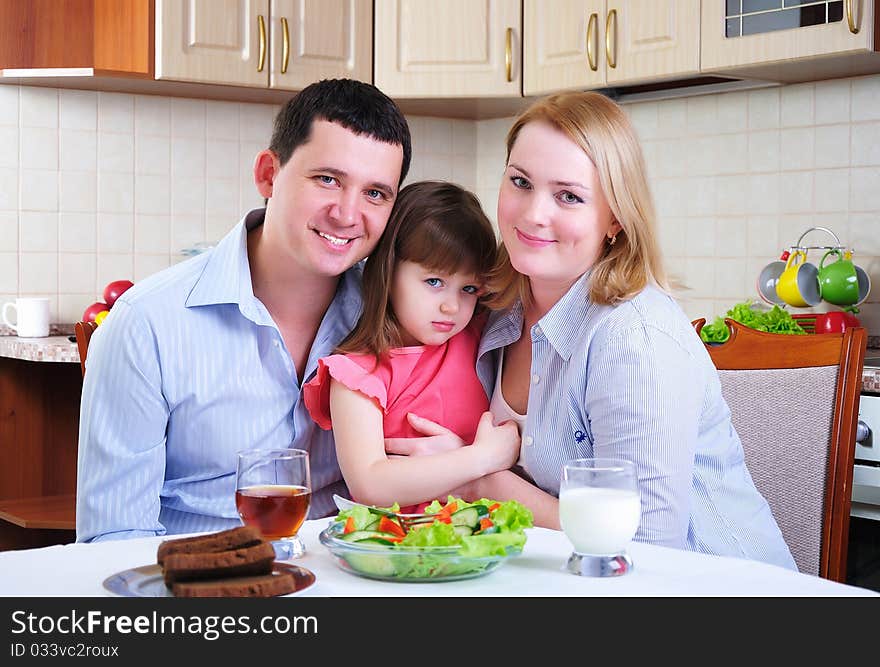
{"x":208,"y":357}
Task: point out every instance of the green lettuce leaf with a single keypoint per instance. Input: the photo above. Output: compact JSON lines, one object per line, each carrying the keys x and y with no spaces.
{"x":776,"y":320}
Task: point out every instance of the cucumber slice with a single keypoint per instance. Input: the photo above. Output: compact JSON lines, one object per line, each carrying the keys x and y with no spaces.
{"x":375,"y":540}
{"x":358,"y":535}
{"x":470,"y":516}
{"x":373,"y":525}
{"x":464,"y":531}
{"x":375,"y":565}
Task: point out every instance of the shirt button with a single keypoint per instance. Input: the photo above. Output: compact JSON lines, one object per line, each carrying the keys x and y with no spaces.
{"x":527,"y":441}
{"x":536,"y":379}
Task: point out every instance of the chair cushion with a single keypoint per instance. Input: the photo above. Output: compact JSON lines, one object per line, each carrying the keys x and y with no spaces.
{"x":784,"y":419}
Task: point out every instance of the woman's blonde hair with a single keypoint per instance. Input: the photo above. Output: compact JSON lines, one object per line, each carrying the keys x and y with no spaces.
{"x":603,"y":131}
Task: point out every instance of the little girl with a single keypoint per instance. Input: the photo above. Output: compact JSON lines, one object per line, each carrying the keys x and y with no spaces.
{"x":414,"y":351}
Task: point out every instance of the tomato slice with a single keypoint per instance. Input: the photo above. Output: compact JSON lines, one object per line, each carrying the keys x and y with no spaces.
{"x":386,"y":525}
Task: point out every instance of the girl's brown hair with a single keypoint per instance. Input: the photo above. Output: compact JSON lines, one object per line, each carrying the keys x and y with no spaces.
{"x":436,"y":224}
{"x":602,"y":130}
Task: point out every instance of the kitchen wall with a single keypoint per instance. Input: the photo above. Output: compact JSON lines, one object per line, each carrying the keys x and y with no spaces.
{"x":738,"y":177}
{"x":97,"y":187}
{"x":100,"y":186}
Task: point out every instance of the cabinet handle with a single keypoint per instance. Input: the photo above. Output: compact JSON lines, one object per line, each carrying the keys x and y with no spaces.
{"x":285,"y":45}
{"x":262,"y":25}
{"x":508,"y":54}
{"x":850,"y":19}
{"x":592,"y":41}
{"x":610,"y":52}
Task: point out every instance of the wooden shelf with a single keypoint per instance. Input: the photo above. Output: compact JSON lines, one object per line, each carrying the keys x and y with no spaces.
{"x":55,"y":512}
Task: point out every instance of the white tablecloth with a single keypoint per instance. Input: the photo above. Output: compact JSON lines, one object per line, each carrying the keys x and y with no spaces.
{"x":80,"y":570}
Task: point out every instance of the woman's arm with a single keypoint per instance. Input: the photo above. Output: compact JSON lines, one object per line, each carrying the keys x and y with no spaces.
{"x":643,"y":401}
{"x":507,"y":485}
{"x":374,"y":478}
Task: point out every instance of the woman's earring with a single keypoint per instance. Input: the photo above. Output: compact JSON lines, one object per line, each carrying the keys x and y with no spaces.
{"x":612,"y":239}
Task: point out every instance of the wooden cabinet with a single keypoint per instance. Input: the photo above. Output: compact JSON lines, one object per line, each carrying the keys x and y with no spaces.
{"x":790,"y":43}
{"x":283,"y":44}
{"x":95,"y":37}
{"x":455,"y":48}
{"x":212,"y":41}
{"x":39,"y":422}
{"x":576,"y":44}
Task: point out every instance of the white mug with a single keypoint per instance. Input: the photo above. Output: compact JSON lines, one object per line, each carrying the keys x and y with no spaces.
{"x":31,"y":316}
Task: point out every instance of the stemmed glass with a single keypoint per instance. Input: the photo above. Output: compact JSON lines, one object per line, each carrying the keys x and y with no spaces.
{"x":599,"y":511}
{"x":273,"y":491}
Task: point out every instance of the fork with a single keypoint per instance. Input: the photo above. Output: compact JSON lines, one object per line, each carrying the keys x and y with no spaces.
{"x":406,"y":521}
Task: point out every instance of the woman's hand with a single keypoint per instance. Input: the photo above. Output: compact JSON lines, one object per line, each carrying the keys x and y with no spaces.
{"x":500,"y":444}
{"x":436,"y":440}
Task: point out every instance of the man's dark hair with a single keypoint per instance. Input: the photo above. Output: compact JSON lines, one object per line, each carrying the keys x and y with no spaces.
{"x":356,"y":106}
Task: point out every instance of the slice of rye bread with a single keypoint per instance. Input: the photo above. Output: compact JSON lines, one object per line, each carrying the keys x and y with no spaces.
{"x":234,"y":538}
{"x":262,"y":586}
{"x":247,"y":561}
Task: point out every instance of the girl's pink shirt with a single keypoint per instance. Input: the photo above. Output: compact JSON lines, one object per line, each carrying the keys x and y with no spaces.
{"x":437,"y":382}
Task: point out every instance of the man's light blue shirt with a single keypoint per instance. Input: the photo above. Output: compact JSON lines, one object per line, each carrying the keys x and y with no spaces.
{"x":188,"y":369}
{"x":634,"y":381}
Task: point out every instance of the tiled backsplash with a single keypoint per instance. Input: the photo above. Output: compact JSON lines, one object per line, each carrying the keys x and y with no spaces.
{"x":738,"y":177}
{"x":96,"y":187}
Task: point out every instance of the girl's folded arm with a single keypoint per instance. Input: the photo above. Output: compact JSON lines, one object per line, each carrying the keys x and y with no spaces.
{"x":375,"y":479}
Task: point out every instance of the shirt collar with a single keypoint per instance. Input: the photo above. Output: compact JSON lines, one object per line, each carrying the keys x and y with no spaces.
{"x":566,"y":317}
{"x":226,"y":277}
{"x":558,"y":325}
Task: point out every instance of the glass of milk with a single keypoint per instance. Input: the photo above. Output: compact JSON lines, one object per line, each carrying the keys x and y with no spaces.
{"x":599,"y":511}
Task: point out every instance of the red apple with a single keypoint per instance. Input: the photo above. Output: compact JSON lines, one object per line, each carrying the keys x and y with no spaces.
{"x":92,"y":311}
{"x":114,"y":289}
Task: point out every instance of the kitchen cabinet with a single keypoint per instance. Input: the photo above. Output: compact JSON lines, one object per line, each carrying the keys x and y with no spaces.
{"x":790,"y":42}
{"x":39,"y":423}
{"x":282,"y":44}
{"x":69,"y":36}
{"x":455,"y":48}
{"x":577,"y":44}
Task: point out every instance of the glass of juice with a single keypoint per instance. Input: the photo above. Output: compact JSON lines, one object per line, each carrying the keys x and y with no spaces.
{"x":599,"y":512}
{"x":273,"y":491}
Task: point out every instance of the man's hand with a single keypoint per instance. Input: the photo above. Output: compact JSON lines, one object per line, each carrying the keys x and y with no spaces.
{"x":436,"y":439}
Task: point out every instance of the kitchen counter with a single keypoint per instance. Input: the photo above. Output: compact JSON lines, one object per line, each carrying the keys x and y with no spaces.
{"x":53,"y":348}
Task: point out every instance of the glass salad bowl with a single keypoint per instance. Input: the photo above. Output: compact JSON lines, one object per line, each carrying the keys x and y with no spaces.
{"x":406,"y":563}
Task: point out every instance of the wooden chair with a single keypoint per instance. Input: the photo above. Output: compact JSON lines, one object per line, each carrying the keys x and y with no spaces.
{"x":794,"y":401}
{"x":84,"y":331}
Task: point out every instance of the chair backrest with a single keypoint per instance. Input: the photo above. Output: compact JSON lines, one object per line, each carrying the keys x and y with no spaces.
{"x":83,"y":332}
{"x":794,"y":403}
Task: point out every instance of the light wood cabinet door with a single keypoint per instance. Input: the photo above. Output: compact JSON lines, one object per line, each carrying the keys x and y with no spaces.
{"x":320,"y":39}
{"x":562,"y":49}
{"x":839,"y":36}
{"x":213,"y":41}
{"x":648,"y":40}
{"x":454,"y":48}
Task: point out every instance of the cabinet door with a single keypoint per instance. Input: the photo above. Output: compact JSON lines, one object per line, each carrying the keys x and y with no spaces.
{"x":320,"y":39}
{"x":213,"y":41}
{"x":762,"y":31}
{"x":562,"y":49}
{"x":454,"y":48}
{"x":651,"y":39}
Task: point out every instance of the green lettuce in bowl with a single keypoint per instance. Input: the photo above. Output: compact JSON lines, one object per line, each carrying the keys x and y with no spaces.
{"x":466,"y":540}
{"x":775,"y":320}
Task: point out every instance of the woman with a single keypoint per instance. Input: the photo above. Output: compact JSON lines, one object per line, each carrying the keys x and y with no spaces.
{"x":591,"y":356}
